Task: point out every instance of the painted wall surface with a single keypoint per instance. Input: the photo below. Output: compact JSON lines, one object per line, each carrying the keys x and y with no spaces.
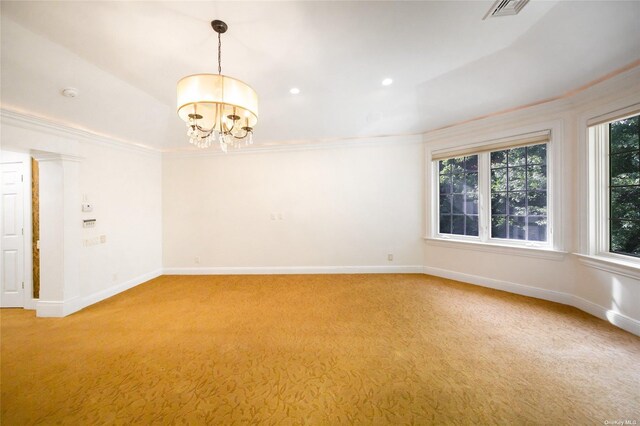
{"x":563,"y":278}
{"x":124,"y":189}
{"x":326,"y":207}
{"x":123,"y":184}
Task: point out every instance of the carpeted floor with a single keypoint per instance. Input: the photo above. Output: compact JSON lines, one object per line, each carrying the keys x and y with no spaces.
{"x":317,"y":349}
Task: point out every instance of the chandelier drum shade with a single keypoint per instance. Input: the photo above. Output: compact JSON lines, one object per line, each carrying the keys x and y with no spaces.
{"x":215,"y":106}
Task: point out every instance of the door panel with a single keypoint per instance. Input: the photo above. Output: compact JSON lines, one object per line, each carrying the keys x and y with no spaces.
{"x":12,"y":258}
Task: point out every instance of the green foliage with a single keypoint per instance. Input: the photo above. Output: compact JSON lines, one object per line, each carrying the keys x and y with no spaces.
{"x":624,"y":192}
{"x":518,"y":193}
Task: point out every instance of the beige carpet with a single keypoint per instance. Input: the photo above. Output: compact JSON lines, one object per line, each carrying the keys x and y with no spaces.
{"x":317,"y":349}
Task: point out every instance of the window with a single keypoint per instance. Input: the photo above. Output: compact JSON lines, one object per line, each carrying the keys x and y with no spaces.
{"x":624,"y":186}
{"x":495,"y":192}
{"x":612,"y":191}
{"x":458,"y":189}
{"x":519,"y":193}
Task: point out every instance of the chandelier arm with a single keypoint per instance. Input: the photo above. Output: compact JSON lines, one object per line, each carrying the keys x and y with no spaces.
{"x":246,"y":133}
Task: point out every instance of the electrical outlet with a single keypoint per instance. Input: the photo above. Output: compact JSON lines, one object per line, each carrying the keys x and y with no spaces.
{"x":390,"y":257}
{"x":197,"y":260}
{"x":115,"y":277}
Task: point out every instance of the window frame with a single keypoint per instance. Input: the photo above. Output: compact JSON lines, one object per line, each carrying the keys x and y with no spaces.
{"x":484,"y":240}
{"x":599,"y":182}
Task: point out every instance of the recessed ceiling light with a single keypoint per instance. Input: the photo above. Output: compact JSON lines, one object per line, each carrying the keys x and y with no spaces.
{"x":70,"y":92}
{"x":294,"y":91}
{"x":387,"y":82}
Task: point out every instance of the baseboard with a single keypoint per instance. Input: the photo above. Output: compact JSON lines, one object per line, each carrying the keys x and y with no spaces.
{"x":56,"y":309}
{"x":67,"y":307}
{"x":119,"y":288}
{"x":620,"y":320}
{"x":288,"y":270}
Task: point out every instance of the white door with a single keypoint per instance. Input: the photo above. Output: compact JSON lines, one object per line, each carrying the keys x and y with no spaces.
{"x":12,"y":259}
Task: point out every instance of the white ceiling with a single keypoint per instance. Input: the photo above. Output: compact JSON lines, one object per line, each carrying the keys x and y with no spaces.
{"x":448,"y":65}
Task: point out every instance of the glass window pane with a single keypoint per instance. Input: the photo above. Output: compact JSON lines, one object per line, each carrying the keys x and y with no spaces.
{"x":517,"y":156}
{"x":498,"y":227}
{"x":445,"y":184}
{"x":471,"y":184}
{"x":459,"y":195}
{"x":457,"y":165}
{"x":443,"y":167}
{"x":445,"y":224}
{"x":624,"y":135}
{"x":537,"y":203}
{"x":625,"y":202}
{"x":517,"y":178}
{"x":536,"y":178}
{"x":625,"y":237}
{"x":499,"y":180}
{"x":517,"y":203}
{"x":625,"y":168}
{"x":458,"y":183}
{"x":516,"y":225}
{"x":499,"y":203}
{"x":537,"y":154}
{"x":457,"y":224}
{"x":537,"y":228}
{"x":471,"y":204}
{"x":519,"y":193}
{"x":445,"y":203}
{"x":458,"y":203}
{"x":471,"y":226}
{"x":498,"y":159}
{"x":471,"y":163}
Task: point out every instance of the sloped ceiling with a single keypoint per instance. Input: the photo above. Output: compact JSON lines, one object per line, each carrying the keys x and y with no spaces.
{"x":448,"y":65}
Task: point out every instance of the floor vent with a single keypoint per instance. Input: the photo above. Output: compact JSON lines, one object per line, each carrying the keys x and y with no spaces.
{"x":505,"y":8}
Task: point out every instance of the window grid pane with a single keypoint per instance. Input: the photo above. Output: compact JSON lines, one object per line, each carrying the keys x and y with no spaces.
{"x":458,"y":189}
{"x":624,"y":186}
{"x":519,"y":193}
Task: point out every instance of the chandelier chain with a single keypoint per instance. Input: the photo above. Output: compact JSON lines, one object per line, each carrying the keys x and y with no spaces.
{"x":219,"y":55}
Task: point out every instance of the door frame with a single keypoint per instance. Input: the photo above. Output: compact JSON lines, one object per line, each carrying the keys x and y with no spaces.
{"x":25,"y":158}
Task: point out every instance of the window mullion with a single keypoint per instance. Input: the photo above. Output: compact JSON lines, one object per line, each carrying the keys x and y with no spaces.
{"x":484,"y":193}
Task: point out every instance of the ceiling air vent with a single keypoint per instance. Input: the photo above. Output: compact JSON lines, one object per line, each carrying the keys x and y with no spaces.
{"x":505,"y":8}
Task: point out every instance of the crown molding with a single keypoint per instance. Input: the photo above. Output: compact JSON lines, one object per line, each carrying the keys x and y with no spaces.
{"x":17,"y":118}
{"x":308,"y":145}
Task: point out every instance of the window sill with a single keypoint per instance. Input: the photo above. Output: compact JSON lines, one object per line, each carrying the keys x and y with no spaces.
{"x":614,"y":266}
{"x":541,"y":253}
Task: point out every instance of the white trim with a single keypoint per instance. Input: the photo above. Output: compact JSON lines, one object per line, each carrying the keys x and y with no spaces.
{"x":57,"y":309}
{"x":298,"y":146}
{"x":49,"y":126}
{"x":287,"y":270}
{"x":611,"y":265}
{"x":515,"y":250}
{"x":119,"y":288}
{"x":67,"y":307}
{"x":619,"y":320}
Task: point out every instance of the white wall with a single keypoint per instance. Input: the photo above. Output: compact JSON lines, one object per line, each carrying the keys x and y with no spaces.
{"x":124,"y":188}
{"x":562,"y":278}
{"x":342,"y":208}
{"x":123,"y":184}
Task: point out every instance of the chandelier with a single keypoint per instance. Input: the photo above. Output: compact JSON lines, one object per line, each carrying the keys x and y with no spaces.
{"x":217,"y":107}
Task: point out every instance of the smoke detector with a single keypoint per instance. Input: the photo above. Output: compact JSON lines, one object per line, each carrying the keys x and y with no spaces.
{"x":69,"y":92}
{"x":505,"y":8}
